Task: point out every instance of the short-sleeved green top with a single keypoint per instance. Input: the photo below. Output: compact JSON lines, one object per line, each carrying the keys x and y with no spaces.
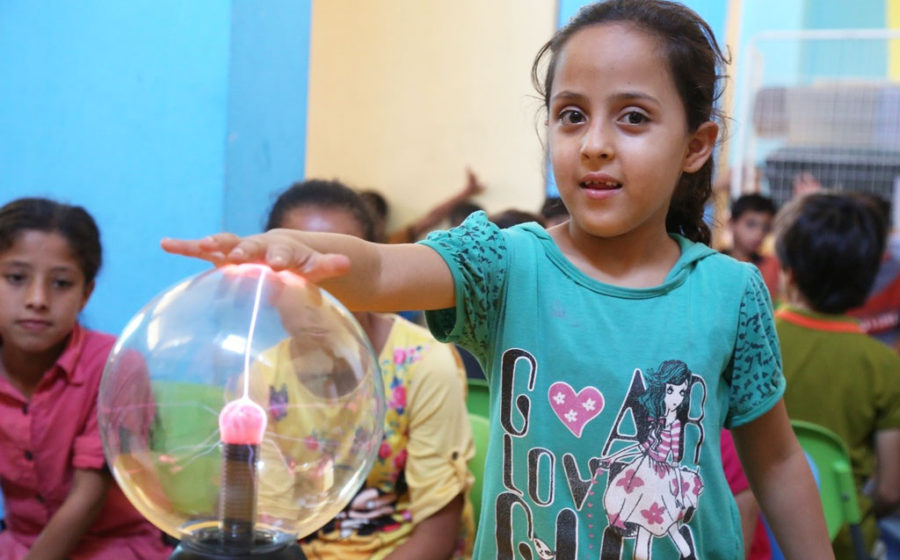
{"x":607,"y":402}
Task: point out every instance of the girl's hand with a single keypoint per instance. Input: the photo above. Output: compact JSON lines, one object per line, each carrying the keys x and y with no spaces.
{"x":279,"y":248}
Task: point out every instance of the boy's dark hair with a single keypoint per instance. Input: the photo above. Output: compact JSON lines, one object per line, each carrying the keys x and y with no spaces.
{"x":695,"y":60}
{"x":74,"y":223}
{"x":461,"y":211}
{"x":553,"y":207}
{"x":752,"y":203}
{"x":323,"y":194}
{"x":512,"y":216}
{"x":833,"y":245}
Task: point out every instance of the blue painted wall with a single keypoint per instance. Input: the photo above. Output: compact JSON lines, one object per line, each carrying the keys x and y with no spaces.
{"x":267,"y":86}
{"x":160,"y":117}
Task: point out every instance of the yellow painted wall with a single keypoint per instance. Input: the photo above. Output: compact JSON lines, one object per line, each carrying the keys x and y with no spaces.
{"x":893,"y":22}
{"x":404,"y":94}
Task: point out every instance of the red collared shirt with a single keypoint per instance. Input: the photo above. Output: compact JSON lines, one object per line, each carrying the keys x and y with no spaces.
{"x":44,"y":439}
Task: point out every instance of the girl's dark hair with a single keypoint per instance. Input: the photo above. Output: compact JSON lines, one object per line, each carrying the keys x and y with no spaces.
{"x":833,"y":244}
{"x":73,"y":223}
{"x":323,"y":194}
{"x":695,"y":61}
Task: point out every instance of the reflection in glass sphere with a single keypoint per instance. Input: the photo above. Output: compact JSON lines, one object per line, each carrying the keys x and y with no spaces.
{"x":241,"y":408}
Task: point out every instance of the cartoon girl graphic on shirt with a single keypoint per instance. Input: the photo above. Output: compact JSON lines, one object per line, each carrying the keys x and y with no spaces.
{"x":649,"y":493}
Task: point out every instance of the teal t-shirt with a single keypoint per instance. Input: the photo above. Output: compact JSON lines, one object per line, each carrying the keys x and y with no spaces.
{"x":607,"y":402}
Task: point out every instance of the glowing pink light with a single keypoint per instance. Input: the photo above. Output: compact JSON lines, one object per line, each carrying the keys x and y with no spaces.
{"x":246,"y":269}
{"x":242,"y":422}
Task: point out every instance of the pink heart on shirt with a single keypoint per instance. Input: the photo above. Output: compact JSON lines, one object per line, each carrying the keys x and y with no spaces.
{"x":575,"y":410}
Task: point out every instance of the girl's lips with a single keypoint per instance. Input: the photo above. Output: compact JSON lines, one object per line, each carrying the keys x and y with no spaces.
{"x":33,"y":324}
{"x":599,"y":192}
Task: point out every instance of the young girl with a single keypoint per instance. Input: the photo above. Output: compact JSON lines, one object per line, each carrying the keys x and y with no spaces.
{"x":60,"y":500}
{"x":412,"y":504}
{"x":568,"y":320}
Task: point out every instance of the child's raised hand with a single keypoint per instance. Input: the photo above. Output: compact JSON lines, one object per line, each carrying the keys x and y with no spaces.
{"x":280,"y":249}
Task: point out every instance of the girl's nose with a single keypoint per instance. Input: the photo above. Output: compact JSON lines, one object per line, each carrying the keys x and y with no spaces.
{"x":596,"y":145}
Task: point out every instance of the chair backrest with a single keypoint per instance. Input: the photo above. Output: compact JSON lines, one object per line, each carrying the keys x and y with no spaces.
{"x":481,"y":431}
{"x":836,"y":486}
{"x":478,"y":398}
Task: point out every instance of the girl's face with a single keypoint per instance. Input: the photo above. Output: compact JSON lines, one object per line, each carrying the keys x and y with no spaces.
{"x":42,"y":290}
{"x":675,"y":395}
{"x":617,"y":132}
{"x":321,"y":219}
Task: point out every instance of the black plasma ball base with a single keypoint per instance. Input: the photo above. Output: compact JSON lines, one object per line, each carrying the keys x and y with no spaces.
{"x":212,"y":550}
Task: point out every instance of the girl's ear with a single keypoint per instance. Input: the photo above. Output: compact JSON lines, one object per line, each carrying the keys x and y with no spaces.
{"x":88,"y":290}
{"x":700,"y":146}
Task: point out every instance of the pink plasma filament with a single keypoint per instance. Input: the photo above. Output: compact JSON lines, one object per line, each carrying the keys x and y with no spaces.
{"x":242,"y":422}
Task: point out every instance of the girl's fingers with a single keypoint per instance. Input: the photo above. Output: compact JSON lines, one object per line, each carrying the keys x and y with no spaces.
{"x":277,"y":251}
{"x":210,"y":248}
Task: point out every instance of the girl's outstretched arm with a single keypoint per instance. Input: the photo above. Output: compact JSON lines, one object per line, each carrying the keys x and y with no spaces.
{"x":780,"y":476}
{"x":74,"y":516}
{"x":364,"y":276}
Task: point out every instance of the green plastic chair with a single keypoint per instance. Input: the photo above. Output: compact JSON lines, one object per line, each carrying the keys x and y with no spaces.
{"x":191,"y":413}
{"x":481,"y":431}
{"x":478,"y":398}
{"x":836,"y":487}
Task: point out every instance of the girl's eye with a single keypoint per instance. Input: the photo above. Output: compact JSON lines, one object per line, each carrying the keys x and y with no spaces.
{"x":634,"y":118}
{"x":14,"y":278}
{"x":571,"y":116}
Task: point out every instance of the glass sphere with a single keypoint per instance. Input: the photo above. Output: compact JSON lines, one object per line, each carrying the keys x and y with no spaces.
{"x":242,"y":406}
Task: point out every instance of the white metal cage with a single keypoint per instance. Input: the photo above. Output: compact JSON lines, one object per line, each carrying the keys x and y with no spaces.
{"x":819,"y":102}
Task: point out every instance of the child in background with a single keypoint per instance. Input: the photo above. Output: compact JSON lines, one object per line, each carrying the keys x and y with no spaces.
{"x":412,"y":504}
{"x":750,"y":223}
{"x":61,"y":501}
{"x":830,"y":246}
{"x":615,"y":341}
{"x":415,"y":230}
{"x":879,"y":316}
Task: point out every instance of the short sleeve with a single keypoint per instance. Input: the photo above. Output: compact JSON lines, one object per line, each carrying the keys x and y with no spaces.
{"x":440,"y":438}
{"x":755,"y":373}
{"x":476,"y":253}
{"x":87,"y":448}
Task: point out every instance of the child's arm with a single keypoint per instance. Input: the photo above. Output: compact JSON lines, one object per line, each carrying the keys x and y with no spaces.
{"x":437,"y":214}
{"x":433,"y":538}
{"x":364,"y":276}
{"x":779,"y":474}
{"x":886,"y":494}
{"x":75,"y":515}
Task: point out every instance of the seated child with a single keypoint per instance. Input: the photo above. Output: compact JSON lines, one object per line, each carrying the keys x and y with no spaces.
{"x":830,"y":246}
{"x":413,"y":502}
{"x":879,"y":316}
{"x":60,"y":499}
{"x":750,"y":223}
